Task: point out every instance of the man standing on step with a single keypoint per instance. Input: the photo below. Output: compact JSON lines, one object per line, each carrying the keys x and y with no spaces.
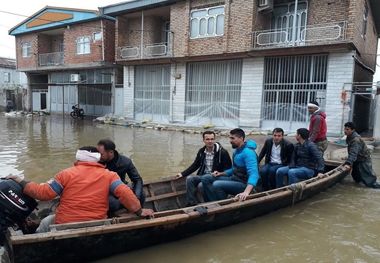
{"x":317,"y":126}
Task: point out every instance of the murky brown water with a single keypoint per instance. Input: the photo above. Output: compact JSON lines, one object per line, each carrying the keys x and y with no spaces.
{"x":339,"y":225}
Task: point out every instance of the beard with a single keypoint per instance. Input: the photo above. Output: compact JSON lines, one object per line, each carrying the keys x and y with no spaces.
{"x":234,"y":146}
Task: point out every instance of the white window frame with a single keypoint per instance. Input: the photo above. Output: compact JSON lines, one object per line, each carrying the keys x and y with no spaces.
{"x":207,"y":17}
{"x":7,"y":77}
{"x":97,"y":36}
{"x":83,"y":45}
{"x":26,"y":49}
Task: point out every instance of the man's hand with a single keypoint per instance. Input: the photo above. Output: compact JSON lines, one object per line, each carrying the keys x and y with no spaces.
{"x":347,"y":166}
{"x":178,"y":175}
{"x":242,"y":196}
{"x":216,"y":174}
{"x":147,"y":213}
{"x":15,"y":178}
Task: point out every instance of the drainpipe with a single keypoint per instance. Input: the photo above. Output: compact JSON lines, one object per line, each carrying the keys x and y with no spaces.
{"x":142,"y":35}
{"x":295,"y":22}
{"x":102,"y":32}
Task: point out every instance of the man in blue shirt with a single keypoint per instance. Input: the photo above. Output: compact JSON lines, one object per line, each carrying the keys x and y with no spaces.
{"x":239,"y":180}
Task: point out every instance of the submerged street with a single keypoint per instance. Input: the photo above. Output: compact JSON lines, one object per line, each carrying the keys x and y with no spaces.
{"x":339,"y":225}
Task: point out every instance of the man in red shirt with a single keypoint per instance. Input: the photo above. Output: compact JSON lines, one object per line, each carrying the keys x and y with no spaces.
{"x":317,"y":126}
{"x":83,"y":191}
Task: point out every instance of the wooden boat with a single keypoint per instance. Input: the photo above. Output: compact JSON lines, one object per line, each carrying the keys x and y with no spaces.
{"x":79,"y":242}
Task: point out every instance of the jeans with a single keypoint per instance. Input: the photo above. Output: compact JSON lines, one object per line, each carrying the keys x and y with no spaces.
{"x":268,"y":175}
{"x":193,"y":184}
{"x":114,"y":203}
{"x":217,"y":188}
{"x":294,"y":175}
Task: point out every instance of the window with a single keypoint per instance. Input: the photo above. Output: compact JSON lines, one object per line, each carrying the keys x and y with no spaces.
{"x":365,"y":21}
{"x":207,"y":22}
{"x":83,"y":45}
{"x":26,"y":50}
{"x":97,"y":36}
{"x":7,"y":77}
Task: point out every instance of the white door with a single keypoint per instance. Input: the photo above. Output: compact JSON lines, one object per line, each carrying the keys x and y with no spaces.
{"x":119,"y":101}
{"x":36,"y":101}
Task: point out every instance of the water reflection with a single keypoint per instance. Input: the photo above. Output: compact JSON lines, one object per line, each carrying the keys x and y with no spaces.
{"x":340,"y":225}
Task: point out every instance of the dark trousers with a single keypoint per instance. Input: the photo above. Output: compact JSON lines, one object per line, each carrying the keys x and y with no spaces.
{"x":268,"y":175}
{"x":363,"y":172}
{"x":114,"y":203}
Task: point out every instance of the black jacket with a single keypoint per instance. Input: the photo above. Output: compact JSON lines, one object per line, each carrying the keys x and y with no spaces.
{"x":222,"y":161}
{"x":307,"y":155}
{"x":357,"y":149}
{"x":286,"y":151}
{"x":123,"y":165}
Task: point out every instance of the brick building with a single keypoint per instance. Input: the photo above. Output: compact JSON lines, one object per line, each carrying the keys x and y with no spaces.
{"x":246,"y":63}
{"x":68,"y":57}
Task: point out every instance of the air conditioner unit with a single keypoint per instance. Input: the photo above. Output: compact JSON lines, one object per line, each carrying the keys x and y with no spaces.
{"x":265,"y":6}
{"x":74,"y":77}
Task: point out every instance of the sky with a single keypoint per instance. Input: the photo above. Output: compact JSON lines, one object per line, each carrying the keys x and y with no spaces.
{"x":25,"y":8}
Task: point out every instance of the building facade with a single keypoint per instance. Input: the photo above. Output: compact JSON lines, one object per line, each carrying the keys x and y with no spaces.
{"x":247,"y":63}
{"x":68,"y":57}
{"x":12,"y":86}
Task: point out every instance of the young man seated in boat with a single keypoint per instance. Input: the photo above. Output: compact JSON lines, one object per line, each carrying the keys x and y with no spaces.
{"x":122,"y":165}
{"x":305,"y":163}
{"x":83,"y":190}
{"x":277,"y":152}
{"x":210,"y":158}
{"x":242,"y":178}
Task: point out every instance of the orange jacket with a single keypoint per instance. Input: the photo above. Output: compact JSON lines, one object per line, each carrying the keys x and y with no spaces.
{"x":83,"y":190}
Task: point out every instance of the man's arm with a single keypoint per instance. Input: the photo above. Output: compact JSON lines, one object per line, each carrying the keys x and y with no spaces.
{"x":289,"y":148}
{"x":226,"y":159}
{"x":263,"y":151}
{"x":353,"y":152}
{"x":194,"y":166}
{"x":43,"y":191}
{"x":136,"y":180}
{"x":316,"y":128}
{"x":317,"y":156}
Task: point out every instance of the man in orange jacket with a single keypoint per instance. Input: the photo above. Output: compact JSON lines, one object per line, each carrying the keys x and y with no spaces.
{"x":83,"y":191}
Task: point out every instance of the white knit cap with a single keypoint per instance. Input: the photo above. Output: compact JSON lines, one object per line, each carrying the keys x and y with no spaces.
{"x":86,"y":156}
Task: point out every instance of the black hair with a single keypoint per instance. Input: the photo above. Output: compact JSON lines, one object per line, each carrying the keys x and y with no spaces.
{"x":238,"y":132}
{"x":208,"y":132}
{"x":91,"y":149}
{"x":107,"y":144}
{"x":304,"y":133}
{"x":350,"y":125}
{"x":315,"y":102}
{"x":278,"y":130}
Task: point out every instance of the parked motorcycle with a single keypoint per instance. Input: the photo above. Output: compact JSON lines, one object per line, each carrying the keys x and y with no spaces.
{"x":77,"y":112}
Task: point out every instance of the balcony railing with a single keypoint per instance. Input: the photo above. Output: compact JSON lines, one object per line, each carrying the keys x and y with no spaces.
{"x":156,"y":50}
{"x":51,"y":59}
{"x":319,"y":34}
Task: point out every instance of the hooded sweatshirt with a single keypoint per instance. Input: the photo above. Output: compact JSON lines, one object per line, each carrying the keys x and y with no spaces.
{"x":317,"y":126}
{"x":245,"y":165}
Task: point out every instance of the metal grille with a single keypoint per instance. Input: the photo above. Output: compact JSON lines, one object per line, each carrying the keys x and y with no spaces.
{"x":152,"y":92}
{"x":213,"y":90}
{"x":290,"y":83}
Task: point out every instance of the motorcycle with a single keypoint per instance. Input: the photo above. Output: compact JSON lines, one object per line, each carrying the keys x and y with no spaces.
{"x":77,"y":112}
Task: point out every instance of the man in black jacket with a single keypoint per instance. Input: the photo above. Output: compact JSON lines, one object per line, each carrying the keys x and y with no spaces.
{"x":277,"y":152}
{"x":306,"y":161}
{"x":122,"y":165}
{"x":211,"y":157}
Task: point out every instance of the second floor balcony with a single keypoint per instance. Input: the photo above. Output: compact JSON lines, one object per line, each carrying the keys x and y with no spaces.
{"x":51,"y":59}
{"x":146,"y":50}
{"x":309,"y":35}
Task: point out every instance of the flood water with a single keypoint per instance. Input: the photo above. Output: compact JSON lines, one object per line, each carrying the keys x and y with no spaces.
{"x":339,"y":225}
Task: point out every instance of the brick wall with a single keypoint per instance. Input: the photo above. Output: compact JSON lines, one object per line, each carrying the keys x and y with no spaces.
{"x":29,"y":62}
{"x":109,"y":40}
{"x":366,"y":45}
{"x":70,"y":39}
